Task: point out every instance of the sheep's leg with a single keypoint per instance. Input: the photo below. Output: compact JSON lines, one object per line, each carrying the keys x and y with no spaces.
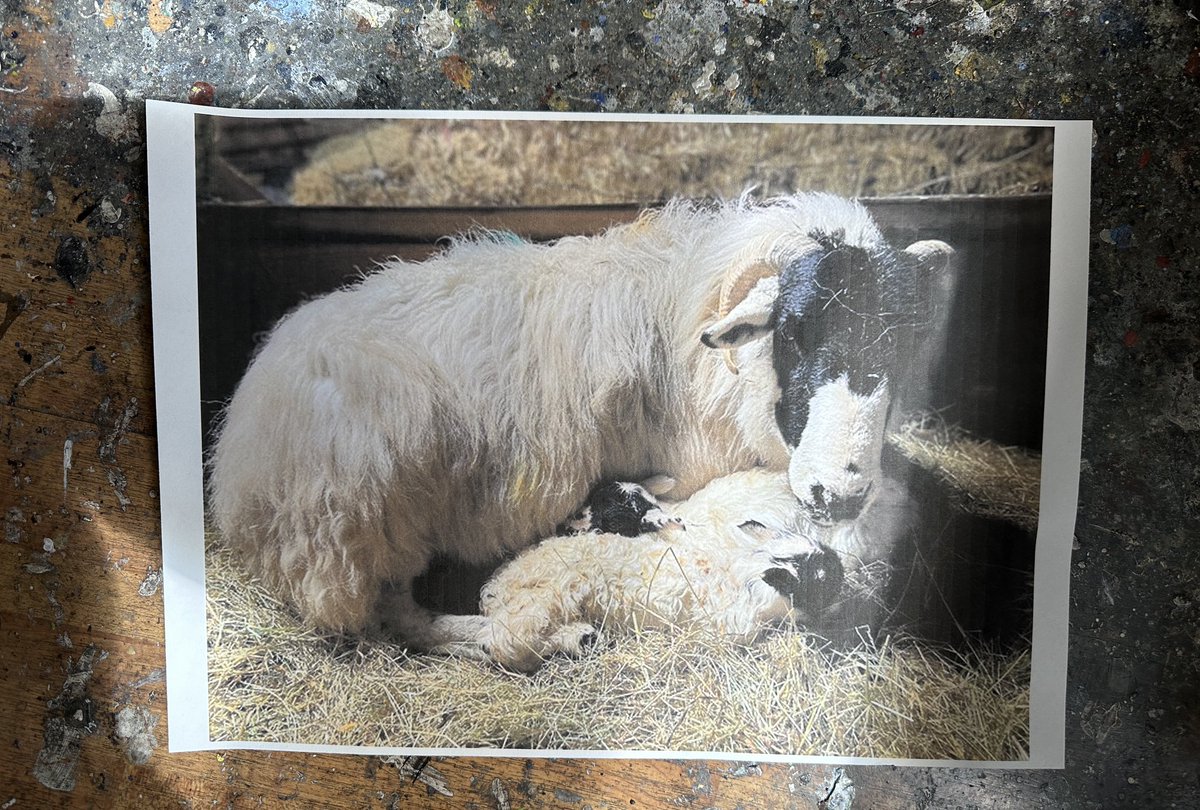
{"x":435,"y":632}
{"x":327,"y":572}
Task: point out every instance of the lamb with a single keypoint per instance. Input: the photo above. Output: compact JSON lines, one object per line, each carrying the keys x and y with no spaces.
{"x":748,"y":561}
{"x":465,"y":406}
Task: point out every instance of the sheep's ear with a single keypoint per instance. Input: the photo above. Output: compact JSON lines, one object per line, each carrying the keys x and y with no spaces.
{"x":658,"y":485}
{"x":932,"y":254}
{"x":749,"y":320}
{"x":935,"y":259}
{"x":759,"y":532}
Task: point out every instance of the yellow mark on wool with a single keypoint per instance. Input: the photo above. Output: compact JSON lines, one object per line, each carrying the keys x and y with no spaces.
{"x":521,"y":486}
{"x":109,"y":16}
{"x":159,"y":21}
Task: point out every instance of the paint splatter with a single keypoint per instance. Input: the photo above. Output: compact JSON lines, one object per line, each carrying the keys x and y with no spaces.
{"x":436,"y":32}
{"x":118,"y":425}
{"x":134,"y":729}
{"x":118,"y":481}
{"x":841,"y":792}
{"x":68,"y":450}
{"x":1120,"y":236}
{"x":367,"y":15}
{"x":113,"y":123}
{"x":679,"y":31}
{"x":500,"y":794}
{"x":70,"y":717}
{"x":158,"y":20}
{"x":150,"y":584}
{"x":456,"y":69}
{"x":71,"y":260}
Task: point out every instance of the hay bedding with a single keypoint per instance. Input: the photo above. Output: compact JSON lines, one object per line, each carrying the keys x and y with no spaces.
{"x":466,"y":163}
{"x":273,"y":680}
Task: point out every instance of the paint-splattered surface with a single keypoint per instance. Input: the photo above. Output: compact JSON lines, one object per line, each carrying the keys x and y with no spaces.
{"x":80,"y":625}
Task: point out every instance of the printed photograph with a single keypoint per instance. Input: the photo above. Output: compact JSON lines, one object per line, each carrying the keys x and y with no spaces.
{"x":607,"y":435}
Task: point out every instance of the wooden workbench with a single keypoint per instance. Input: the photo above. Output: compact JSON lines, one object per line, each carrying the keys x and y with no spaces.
{"x":81,"y":635}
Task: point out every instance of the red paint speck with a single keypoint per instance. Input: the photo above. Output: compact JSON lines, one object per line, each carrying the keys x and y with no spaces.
{"x":202,"y":93}
{"x":1192,"y":66}
{"x":1144,"y":159}
{"x":918,"y":31}
{"x":1162,"y":261}
{"x":70,"y":300}
{"x":1131,"y":339}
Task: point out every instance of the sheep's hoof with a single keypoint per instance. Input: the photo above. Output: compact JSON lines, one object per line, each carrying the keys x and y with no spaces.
{"x":575,"y":639}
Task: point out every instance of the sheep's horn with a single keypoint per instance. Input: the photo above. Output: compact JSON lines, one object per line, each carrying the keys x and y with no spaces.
{"x":932,"y":252}
{"x":737,"y":284}
{"x":739,"y":281}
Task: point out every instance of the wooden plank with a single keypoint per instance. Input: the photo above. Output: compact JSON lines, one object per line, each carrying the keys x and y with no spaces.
{"x":80,"y":336}
{"x":304,"y":224}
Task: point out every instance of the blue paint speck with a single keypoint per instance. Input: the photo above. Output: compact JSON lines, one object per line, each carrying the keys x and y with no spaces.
{"x":1122,"y":236}
{"x":291,"y":9}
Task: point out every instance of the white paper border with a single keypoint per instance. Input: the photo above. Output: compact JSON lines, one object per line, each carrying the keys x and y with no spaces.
{"x":170,"y":139}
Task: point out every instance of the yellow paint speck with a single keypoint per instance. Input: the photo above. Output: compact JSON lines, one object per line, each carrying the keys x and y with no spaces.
{"x":158,"y":21}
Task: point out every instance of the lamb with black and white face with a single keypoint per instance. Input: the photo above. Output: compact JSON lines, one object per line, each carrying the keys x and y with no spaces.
{"x":853,"y":326}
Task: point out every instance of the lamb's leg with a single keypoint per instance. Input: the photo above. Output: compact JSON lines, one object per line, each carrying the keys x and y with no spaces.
{"x":426,"y":630}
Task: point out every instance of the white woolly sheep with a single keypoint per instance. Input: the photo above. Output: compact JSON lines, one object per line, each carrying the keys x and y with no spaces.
{"x":465,"y":405}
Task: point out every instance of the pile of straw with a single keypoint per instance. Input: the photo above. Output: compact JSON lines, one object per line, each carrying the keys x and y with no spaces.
{"x":467,"y":163}
{"x":986,"y":478}
{"x":271,"y":679}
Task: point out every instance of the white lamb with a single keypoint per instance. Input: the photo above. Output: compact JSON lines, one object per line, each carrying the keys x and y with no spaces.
{"x":747,"y":561}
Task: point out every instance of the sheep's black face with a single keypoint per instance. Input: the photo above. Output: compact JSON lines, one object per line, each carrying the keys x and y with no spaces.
{"x":843,"y":337}
{"x":811,"y":582}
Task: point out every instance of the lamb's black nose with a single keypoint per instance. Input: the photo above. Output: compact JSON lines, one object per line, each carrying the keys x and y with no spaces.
{"x":811,"y":581}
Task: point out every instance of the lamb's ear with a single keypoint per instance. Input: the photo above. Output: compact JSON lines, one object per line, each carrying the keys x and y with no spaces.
{"x":749,"y":320}
{"x":758,"y":531}
{"x":659,"y":485}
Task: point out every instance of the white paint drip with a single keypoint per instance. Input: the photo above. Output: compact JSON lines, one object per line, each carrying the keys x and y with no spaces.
{"x":436,"y":32}
{"x":372,"y":14}
{"x":977,"y":20}
{"x":702,"y":86}
{"x":68,"y":447}
{"x":499,"y":57}
{"x":112,"y":123}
